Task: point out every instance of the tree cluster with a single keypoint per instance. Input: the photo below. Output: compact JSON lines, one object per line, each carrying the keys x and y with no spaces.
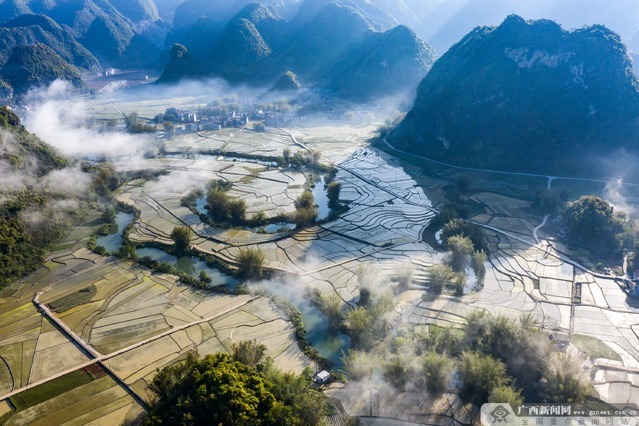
{"x":497,"y":359}
{"x":221,"y":207}
{"x":241,"y":389}
{"x":593,"y":222}
{"x":134,"y":125}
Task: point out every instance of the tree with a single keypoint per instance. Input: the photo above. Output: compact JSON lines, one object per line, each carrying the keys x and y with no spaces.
{"x":181,"y":237}
{"x":304,"y":217}
{"x":133,"y":124}
{"x":448,"y":213}
{"x":131,"y":120}
{"x":505,"y":395}
{"x":462,"y":184}
{"x":248,"y":352}
{"x":108,"y":215}
{"x":529,"y":321}
{"x":259,"y":127}
{"x":205,"y":278}
{"x":439,"y":275}
{"x":332,"y":192}
{"x":105,"y":180}
{"x":397,"y":371}
{"x":437,"y":370}
{"x":305,"y":200}
{"x":250,"y":262}
{"x":127,"y":252}
{"x":591,"y":220}
{"x":286,"y":154}
{"x":218,"y":204}
{"x":331,"y":307}
{"x":461,"y":247}
{"x":459,"y":283}
{"x":306,"y":212}
{"x":367,"y":278}
{"x":478,"y":261}
{"x":547,"y":201}
{"x":169,"y":128}
{"x":481,"y":374}
{"x":565,"y":382}
{"x":525,"y":352}
{"x":314,"y":157}
{"x":470,"y":230}
{"x":405,"y":276}
{"x":359,"y":325}
{"x":237,"y":211}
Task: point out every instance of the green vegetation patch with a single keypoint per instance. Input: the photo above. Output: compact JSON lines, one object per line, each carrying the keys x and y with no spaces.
{"x":46,"y":391}
{"x":78,"y":298}
{"x":238,"y":389}
{"x":594,"y":347}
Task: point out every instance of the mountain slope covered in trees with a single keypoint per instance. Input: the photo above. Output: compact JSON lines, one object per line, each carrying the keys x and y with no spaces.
{"x":37,"y":202}
{"x":526,"y":96}
{"x":37,"y":65}
{"x":338,"y":50}
{"x":31,"y":29}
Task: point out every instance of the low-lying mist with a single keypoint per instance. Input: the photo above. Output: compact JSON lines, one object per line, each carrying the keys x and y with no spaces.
{"x":62,"y":121}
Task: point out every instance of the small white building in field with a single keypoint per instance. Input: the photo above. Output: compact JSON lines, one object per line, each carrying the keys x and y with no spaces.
{"x":322,"y":377}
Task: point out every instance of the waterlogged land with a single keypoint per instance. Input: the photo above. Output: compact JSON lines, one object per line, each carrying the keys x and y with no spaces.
{"x":141,"y":321}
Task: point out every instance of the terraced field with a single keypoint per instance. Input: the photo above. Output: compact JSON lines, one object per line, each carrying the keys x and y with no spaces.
{"x":138,"y":321}
{"x":389,"y":207}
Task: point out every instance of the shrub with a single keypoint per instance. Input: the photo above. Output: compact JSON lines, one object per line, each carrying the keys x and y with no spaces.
{"x":250,"y":262}
{"x":181,"y":236}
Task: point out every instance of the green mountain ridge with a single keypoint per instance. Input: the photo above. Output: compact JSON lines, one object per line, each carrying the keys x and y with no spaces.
{"x":32,"y":29}
{"x":385,"y":64}
{"x":240,"y":53}
{"x":321,"y":43}
{"x":338,"y":50}
{"x":120,"y":33}
{"x":27,"y":145}
{"x":28,"y":161}
{"x":37,"y":65}
{"x":526,"y":96}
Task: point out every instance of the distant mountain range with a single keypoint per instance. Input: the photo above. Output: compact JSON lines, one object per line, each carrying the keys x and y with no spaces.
{"x":87,"y":35}
{"x":356,"y":49}
{"x":338,"y":49}
{"x":526,"y":95}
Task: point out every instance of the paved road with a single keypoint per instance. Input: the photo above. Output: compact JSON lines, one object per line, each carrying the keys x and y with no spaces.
{"x":550,"y":178}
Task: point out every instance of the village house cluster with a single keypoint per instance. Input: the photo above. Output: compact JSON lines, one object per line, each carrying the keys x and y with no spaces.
{"x":186,"y":121}
{"x":190,"y":122}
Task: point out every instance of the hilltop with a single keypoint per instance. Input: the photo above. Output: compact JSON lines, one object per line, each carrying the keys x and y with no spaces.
{"x":526,"y":96}
{"x":338,"y":49}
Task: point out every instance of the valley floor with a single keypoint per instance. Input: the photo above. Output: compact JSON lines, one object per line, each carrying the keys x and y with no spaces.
{"x":137,"y":321}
